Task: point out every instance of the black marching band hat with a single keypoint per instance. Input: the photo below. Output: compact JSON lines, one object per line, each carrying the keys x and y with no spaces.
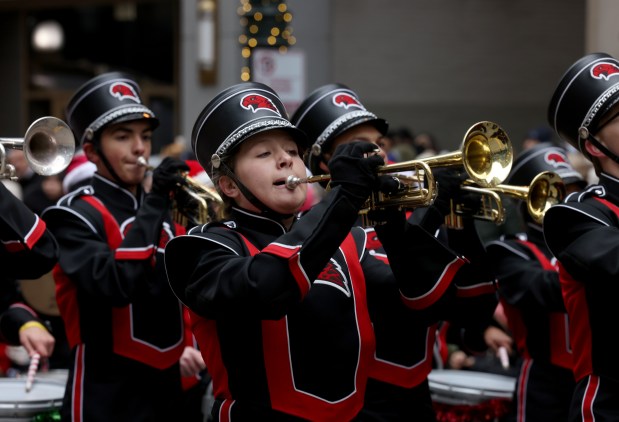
{"x":234,"y":115}
{"x":587,"y":91}
{"x":108,"y":98}
{"x":543,"y":157}
{"x":326,"y":113}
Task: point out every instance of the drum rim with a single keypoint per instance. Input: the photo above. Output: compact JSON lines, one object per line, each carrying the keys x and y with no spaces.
{"x":28,"y":408}
{"x":445,"y":393}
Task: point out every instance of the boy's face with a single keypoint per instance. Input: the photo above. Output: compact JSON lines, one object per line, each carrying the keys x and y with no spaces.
{"x":122,"y":144}
{"x":262,"y":163}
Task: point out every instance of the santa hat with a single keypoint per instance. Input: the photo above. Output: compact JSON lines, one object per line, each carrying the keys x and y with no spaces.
{"x":78,"y":170}
{"x":197,"y":173}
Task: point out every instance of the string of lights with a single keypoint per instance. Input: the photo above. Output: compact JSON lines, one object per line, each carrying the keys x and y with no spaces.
{"x":266,"y":24}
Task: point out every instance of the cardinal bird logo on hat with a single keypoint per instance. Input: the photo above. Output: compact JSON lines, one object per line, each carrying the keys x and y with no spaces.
{"x":346,"y":101}
{"x":556,"y":159}
{"x":124,"y":91}
{"x":255,"y":102}
{"x":604,"y":70}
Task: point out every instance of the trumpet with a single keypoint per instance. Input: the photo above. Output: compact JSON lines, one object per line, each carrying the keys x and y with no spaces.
{"x":200,"y":204}
{"x":545,"y":190}
{"x":485,"y":154}
{"x":48,"y":145}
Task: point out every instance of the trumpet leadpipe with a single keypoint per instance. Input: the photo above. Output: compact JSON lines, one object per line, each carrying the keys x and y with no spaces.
{"x":294,"y":181}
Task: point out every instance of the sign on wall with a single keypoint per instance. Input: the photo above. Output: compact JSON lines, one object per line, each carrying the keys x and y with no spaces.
{"x":285,"y":73}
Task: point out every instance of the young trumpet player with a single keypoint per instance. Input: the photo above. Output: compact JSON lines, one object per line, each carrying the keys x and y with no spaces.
{"x":279,"y":302}
{"x":398,"y":388}
{"x":124,"y":325}
{"x":583,"y":232}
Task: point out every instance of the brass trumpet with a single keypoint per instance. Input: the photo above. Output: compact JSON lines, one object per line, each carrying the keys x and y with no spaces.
{"x":200,"y":205}
{"x":485,"y":154}
{"x":49,"y":146}
{"x":545,"y":190}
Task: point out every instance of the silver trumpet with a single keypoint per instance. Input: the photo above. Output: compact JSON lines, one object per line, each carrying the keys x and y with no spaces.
{"x":49,"y":146}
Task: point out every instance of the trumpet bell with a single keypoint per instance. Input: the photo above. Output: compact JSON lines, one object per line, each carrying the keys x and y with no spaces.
{"x":487,"y":154}
{"x":546,"y":189}
{"x":49,"y":146}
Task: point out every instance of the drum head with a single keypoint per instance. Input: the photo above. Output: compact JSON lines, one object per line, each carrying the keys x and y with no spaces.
{"x":16,"y":403}
{"x":54,"y":375}
{"x":451,"y":386}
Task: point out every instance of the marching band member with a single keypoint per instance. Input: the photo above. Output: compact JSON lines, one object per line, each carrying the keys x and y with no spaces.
{"x":123,"y":323}
{"x":398,"y":387}
{"x":280,"y":303}
{"x":583,"y":232}
{"x":530,"y":292}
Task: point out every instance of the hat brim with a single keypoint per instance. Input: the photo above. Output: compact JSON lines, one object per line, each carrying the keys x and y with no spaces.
{"x":154,"y":122}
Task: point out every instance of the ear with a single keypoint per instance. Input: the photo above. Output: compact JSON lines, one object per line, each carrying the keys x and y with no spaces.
{"x":91,"y":153}
{"x":592,"y":149}
{"x":229,"y":187}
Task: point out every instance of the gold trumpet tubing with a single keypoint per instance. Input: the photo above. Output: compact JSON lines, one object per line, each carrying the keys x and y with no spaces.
{"x":211,"y":200}
{"x":201,"y":210}
{"x":485,"y":154}
{"x":293,"y":181}
{"x":416,"y":191}
{"x":197,"y":192}
{"x":546,"y":189}
{"x":490,"y":207}
{"x":419,"y":190}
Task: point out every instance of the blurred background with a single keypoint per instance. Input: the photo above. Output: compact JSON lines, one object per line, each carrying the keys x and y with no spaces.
{"x":434,"y":66}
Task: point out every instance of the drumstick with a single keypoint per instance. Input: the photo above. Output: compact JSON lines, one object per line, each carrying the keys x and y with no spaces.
{"x":504,"y":357}
{"x":32,"y":370}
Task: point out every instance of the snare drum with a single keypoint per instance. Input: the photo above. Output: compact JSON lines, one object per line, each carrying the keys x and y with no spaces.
{"x":17,"y":405}
{"x":467,"y":396}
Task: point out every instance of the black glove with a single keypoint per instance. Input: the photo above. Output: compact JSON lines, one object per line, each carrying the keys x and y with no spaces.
{"x":390,"y":185}
{"x":167,"y":177}
{"x":448,"y":183}
{"x":350,"y":168}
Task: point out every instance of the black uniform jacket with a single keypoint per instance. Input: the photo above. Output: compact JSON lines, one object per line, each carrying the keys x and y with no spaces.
{"x":583,"y":234}
{"x":530,"y":291}
{"x":110,"y":282}
{"x":282,"y":316}
{"x":27,"y":250}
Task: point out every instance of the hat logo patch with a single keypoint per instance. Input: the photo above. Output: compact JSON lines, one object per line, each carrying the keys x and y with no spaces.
{"x":556,"y":159}
{"x":124,"y":91}
{"x":255,"y":102}
{"x":346,"y":101}
{"x":604,"y":70}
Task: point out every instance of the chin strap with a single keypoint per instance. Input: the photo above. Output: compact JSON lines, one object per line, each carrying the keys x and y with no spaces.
{"x":583,"y":133}
{"x":109,"y":168}
{"x":266,"y":211}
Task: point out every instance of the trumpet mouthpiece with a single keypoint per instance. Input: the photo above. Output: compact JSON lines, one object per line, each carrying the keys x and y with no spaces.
{"x":293,"y":181}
